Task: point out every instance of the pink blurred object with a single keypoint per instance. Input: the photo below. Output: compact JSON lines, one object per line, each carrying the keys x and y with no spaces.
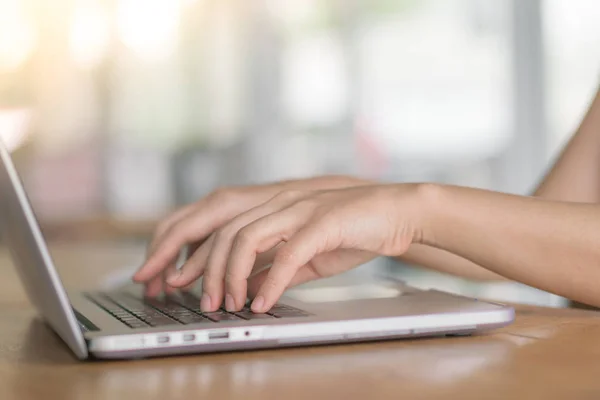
{"x":373,"y":157}
{"x":14,"y":126}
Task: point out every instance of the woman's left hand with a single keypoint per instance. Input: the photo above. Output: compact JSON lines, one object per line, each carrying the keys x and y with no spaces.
{"x":311,"y":235}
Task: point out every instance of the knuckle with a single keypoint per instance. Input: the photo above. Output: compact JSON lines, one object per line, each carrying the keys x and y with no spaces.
{"x":162,"y":227}
{"x":178,"y":234}
{"x":166,"y":223}
{"x":289,"y":195}
{"x":222,"y":194}
{"x":327,"y":218}
{"x":223,"y":234}
{"x":286,"y":256}
{"x":245,"y":237}
{"x":308,"y":204}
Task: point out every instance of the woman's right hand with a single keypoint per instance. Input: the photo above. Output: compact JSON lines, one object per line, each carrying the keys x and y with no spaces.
{"x":188,"y":227}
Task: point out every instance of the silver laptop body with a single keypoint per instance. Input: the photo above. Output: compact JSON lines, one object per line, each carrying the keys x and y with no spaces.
{"x":124,"y":325}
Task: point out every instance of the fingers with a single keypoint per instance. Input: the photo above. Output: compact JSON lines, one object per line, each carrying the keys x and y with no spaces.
{"x":162,"y":228}
{"x":196,"y":264}
{"x":172,"y":274}
{"x":299,"y":251}
{"x":192,"y":248}
{"x":154,"y":287}
{"x":256,"y":238}
{"x":303,"y":275}
{"x":165,"y":225}
{"x":207,"y":215}
{"x":194,"y":267}
{"x":168,"y":250}
{"x":170,"y":271}
{"x":216,"y":268}
{"x":264,"y":260}
{"x":158,"y":284}
{"x":190,"y":229}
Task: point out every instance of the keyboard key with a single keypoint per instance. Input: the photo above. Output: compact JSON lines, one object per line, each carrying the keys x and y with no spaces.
{"x":249,"y":315}
{"x":106,"y":304}
{"x":193,"y":319}
{"x":221,"y":316}
{"x":166,"y":305}
{"x":283,"y":311}
{"x":137,"y":324}
{"x":188,"y":300}
{"x":159,"y":321}
{"x":128,"y":303}
{"x":288,"y":314}
{"x":177,"y":309}
{"x":119,"y":313}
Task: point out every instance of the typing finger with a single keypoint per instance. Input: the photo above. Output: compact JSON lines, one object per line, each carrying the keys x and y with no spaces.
{"x":154,"y":287}
{"x":181,"y":234}
{"x":171,"y":270}
{"x":194,"y":267}
{"x":260,"y":236}
{"x":165,"y":225}
{"x":224,"y":238}
{"x":291,"y":257}
{"x":159,"y":233}
{"x":303,"y":275}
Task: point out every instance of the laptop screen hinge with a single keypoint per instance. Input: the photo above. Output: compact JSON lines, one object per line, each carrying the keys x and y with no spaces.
{"x":84,"y":324}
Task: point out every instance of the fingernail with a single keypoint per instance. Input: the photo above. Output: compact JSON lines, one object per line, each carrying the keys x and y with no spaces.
{"x":258,"y":304}
{"x":205,"y":302}
{"x":229,"y":303}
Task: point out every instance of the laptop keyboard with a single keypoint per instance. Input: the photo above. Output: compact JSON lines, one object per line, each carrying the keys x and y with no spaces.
{"x":181,"y":309}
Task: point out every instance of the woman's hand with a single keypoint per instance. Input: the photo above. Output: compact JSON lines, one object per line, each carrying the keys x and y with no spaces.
{"x":192,"y":225}
{"x":311,"y":234}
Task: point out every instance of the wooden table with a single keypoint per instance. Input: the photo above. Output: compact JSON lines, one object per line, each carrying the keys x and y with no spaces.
{"x":545,"y":354}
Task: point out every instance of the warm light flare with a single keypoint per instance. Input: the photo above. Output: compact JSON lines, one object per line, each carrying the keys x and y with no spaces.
{"x":17,"y":38}
{"x":89,"y":33}
{"x":149,"y":27}
{"x":14,"y":127}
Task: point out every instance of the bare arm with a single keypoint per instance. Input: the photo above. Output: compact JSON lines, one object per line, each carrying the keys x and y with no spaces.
{"x":551,"y":245}
{"x":574,"y":177}
{"x":576,"y":174}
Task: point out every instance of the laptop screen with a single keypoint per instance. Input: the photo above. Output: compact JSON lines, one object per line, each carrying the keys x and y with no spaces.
{"x":31,"y":258}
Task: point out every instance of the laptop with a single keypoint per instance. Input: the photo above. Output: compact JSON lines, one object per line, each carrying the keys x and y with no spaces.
{"x":122,"y":324}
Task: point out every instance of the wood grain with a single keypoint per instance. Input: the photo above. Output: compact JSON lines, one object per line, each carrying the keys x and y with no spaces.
{"x":545,"y":354}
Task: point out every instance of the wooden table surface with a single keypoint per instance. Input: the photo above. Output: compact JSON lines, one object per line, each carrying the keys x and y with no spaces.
{"x":545,"y":354}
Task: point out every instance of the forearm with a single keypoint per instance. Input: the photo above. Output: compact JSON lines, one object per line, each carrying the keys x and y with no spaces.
{"x":446,"y":262}
{"x":576,"y":174}
{"x":554,"y":246}
{"x":575,"y":177}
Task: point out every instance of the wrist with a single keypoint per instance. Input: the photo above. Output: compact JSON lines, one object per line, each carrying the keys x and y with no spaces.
{"x":325,"y":182}
{"x":429,"y":206}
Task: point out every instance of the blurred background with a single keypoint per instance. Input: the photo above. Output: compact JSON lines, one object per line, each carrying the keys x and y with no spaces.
{"x":118,"y":111}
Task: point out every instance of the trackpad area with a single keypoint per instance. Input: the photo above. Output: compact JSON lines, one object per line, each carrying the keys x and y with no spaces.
{"x":344,"y":293}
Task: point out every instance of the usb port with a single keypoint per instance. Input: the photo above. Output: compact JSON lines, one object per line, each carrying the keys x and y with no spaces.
{"x":189,"y":337}
{"x":218,"y":335}
{"x":163,"y":339}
